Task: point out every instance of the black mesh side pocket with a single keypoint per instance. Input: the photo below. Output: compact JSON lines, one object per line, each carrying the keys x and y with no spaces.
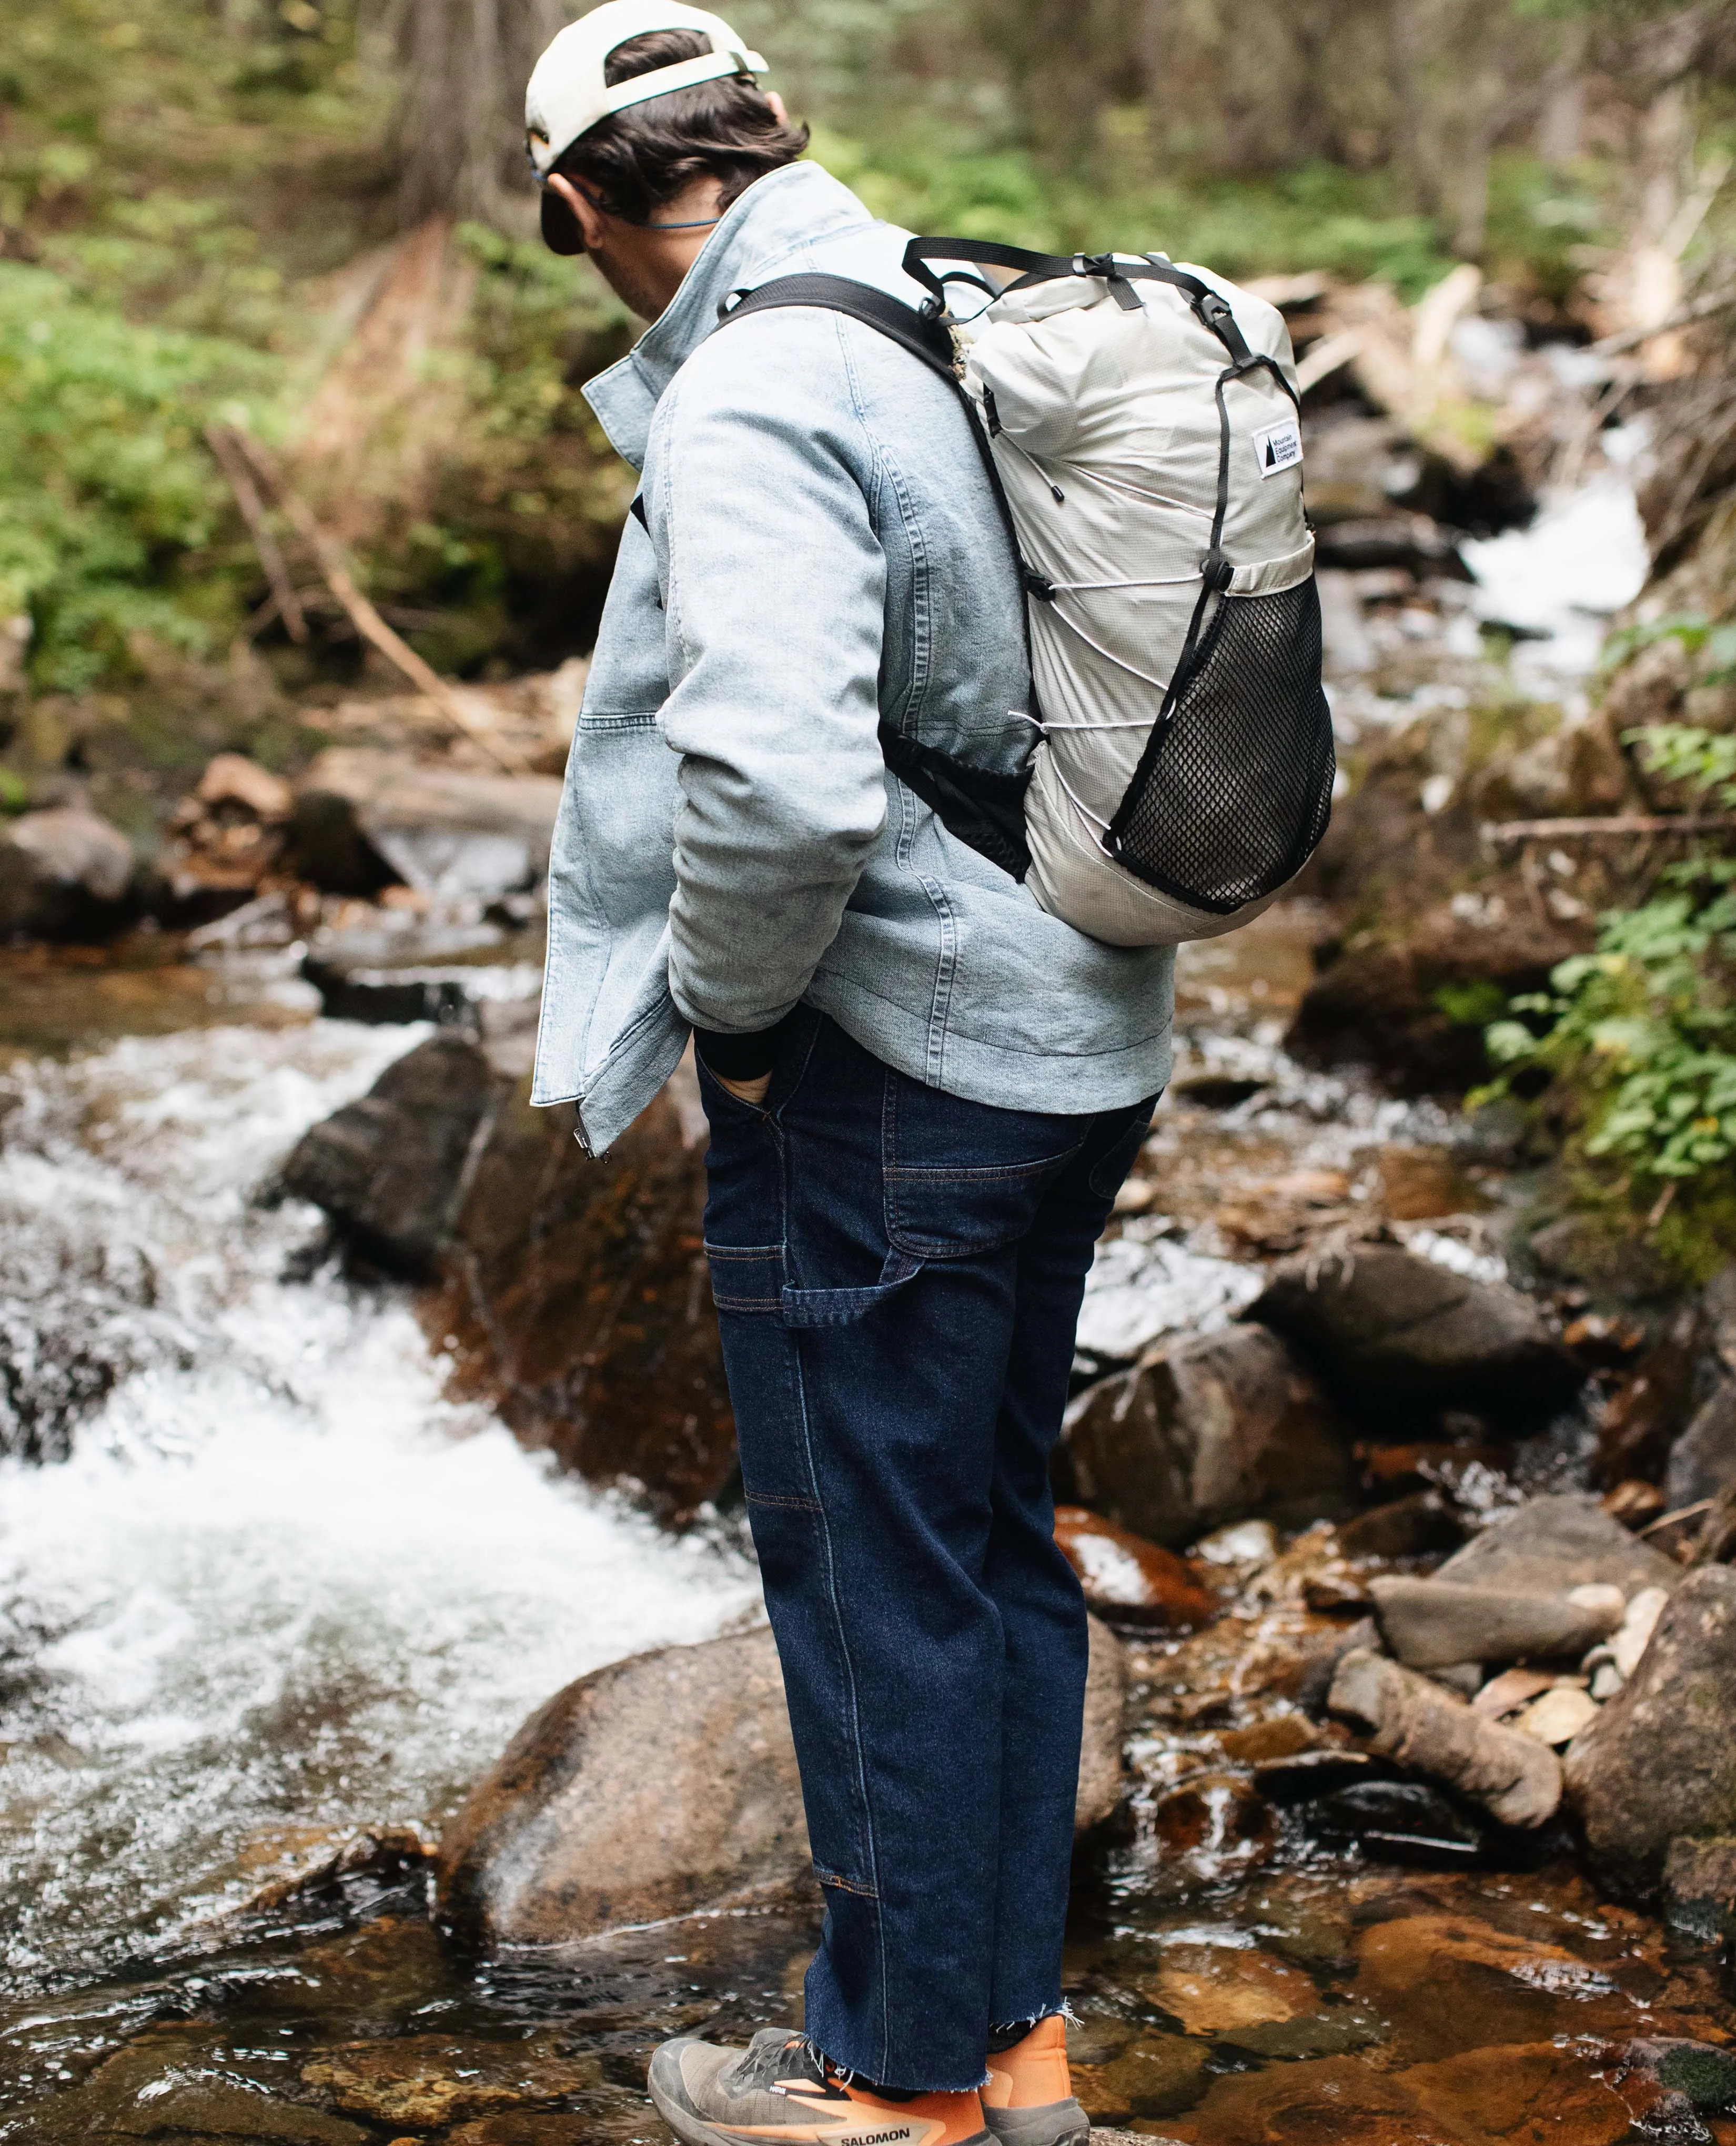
{"x":1233,"y":790}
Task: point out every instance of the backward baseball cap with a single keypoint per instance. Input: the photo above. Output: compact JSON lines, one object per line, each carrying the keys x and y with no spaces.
{"x":567,"y":93}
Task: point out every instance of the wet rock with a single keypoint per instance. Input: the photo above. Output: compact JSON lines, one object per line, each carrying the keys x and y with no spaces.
{"x":666,"y":1784}
{"x":1704,"y":2073}
{"x":1212,"y":1988}
{"x":1405,"y":1821}
{"x":1586,"y":1248}
{"x":173,"y":2088}
{"x":1557,"y":1543}
{"x":65,"y":874}
{"x":578,"y":1301}
{"x":1128,"y":1580}
{"x":1160,"y":2075}
{"x":1410,"y":1720}
{"x":1659,"y":1764}
{"x":1395,"y":1332}
{"x":1212,"y":1430}
{"x":390,"y":1170}
{"x":1427,"y":1623}
{"x":1446,"y":1977}
{"x":363,"y":817}
{"x":1703,"y":1461}
{"x":1216,"y":1820}
{"x":1414,"y":1011}
{"x":419,"y":2079}
{"x":1423,"y":1525}
{"x":1699,"y":1888}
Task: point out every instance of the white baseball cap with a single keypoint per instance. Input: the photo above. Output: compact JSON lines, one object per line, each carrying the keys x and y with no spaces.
{"x":567,"y":93}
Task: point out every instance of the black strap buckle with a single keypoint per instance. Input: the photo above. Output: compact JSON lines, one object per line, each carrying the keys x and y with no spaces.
{"x":1216,"y":571}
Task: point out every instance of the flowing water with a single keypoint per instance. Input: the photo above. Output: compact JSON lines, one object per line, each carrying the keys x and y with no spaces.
{"x":262,"y":1584}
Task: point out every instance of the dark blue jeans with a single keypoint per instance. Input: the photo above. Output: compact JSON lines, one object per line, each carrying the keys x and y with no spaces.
{"x":898,"y":1275}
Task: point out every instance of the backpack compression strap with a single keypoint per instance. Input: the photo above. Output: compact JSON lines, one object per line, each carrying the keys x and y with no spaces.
{"x":979,"y":807}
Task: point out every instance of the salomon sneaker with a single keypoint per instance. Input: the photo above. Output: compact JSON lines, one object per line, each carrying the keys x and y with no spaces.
{"x":1029,"y":2099}
{"x":780,"y":2088}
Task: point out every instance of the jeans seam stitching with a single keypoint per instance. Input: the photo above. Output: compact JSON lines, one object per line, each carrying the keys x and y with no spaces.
{"x":830,"y":1877}
{"x":773,"y":1498}
{"x":855,"y":1718}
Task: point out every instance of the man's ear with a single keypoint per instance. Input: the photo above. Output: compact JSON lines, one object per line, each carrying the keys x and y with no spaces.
{"x":779,"y":107}
{"x":585,"y":214}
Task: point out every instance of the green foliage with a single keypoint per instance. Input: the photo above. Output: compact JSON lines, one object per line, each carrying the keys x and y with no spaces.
{"x":1637,"y":1039}
{"x":106,"y":490}
{"x":1693,"y":630}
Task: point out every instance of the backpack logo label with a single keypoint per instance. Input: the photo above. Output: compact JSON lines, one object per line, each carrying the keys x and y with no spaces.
{"x":1279,"y":446}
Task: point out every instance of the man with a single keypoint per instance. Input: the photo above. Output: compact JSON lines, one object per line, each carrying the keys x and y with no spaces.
{"x":923,"y":1090}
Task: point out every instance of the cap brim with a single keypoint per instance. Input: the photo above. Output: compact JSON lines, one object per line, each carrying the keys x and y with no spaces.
{"x":561,"y":232}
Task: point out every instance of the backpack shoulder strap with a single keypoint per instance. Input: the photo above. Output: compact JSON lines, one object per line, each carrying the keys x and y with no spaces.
{"x":983,"y":809}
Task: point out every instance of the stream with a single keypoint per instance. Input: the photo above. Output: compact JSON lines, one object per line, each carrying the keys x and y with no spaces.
{"x":262,"y":1585}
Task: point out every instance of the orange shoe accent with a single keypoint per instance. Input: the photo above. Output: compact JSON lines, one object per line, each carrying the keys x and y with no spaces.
{"x":934,"y":2119}
{"x":1032,"y":2072}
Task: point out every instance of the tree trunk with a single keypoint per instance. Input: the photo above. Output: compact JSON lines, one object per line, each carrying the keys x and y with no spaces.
{"x":458,"y":135}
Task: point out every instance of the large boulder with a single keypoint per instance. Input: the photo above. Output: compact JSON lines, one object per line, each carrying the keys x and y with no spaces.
{"x":364,"y":818}
{"x":1659,"y":1765}
{"x":1397,"y":1335}
{"x":667,"y":1783}
{"x":65,"y":874}
{"x":1557,"y":1543}
{"x":389,"y":1168}
{"x":577,"y":1300}
{"x":571,"y":1295}
{"x":1221,"y":1427}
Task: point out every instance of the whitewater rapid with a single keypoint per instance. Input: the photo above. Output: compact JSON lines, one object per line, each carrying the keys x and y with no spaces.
{"x":279,"y":1584}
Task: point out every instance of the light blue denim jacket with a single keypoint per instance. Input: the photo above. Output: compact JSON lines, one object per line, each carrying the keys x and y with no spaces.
{"x":820,"y":550}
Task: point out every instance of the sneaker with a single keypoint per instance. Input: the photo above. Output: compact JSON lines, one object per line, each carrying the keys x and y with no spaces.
{"x":1029,"y":2099}
{"x":779,"y":2088}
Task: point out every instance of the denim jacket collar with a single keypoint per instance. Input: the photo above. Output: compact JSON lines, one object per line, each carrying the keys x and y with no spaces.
{"x":778,"y":213}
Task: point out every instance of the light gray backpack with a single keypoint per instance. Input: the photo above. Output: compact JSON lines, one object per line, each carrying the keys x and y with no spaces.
{"x":1138,"y":422}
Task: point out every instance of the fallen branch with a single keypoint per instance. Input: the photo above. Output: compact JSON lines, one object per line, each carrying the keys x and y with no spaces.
{"x":362,"y":615}
{"x":1685,"y":317}
{"x":233,"y":463}
{"x":1613,"y":824}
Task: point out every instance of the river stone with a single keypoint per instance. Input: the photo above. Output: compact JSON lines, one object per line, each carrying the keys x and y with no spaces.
{"x":1659,"y":1765}
{"x":1429,"y":1623}
{"x":1699,"y":1888}
{"x":1553,"y":1544}
{"x":1408,"y":1719}
{"x":413,"y":2080}
{"x":390,"y":1170}
{"x":1395,"y":1334}
{"x":1703,"y":1461}
{"x":171,"y":2087}
{"x":667,"y":1783}
{"x":64,"y":874}
{"x":1215,"y":1428}
{"x":450,"y":831}
{"x":1128,"y":1580}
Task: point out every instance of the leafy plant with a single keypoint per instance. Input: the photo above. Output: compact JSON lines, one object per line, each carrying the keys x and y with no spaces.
{"x":107,"y":490}
{"x":1637,"y":1039}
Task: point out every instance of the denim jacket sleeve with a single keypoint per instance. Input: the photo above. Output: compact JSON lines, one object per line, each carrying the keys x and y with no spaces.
{"x":757,"y":502}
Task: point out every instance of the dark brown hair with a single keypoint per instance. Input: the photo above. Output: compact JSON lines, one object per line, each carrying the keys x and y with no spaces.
{"x":635,"y":160}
